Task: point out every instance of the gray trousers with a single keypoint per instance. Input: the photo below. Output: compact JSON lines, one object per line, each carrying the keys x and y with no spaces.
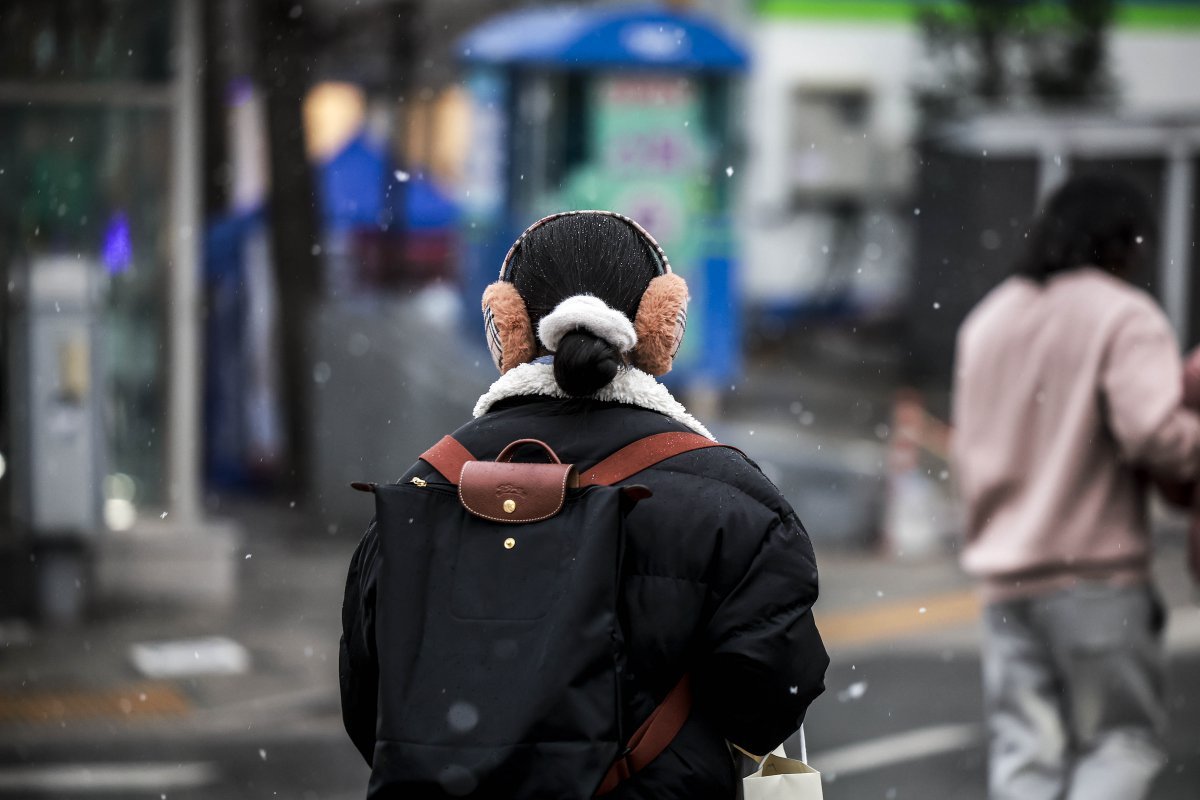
{"x":1073,"y":686}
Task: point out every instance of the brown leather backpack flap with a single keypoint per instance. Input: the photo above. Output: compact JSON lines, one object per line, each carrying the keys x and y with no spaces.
{"x":508,"y":492}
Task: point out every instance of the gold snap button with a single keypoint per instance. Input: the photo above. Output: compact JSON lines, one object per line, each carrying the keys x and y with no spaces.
{"x":510,"y":543}
{"x":510,"y":506}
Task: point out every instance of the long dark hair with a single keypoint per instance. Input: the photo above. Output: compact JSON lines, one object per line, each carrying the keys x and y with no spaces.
{"x":583,"y":254}
{"x":1090,"y":221}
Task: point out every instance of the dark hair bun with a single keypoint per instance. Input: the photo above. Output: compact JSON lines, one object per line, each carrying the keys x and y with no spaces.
{"x":584,"y":363}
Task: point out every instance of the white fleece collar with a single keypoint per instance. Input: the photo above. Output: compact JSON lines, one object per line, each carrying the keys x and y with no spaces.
{"x":631,"y":386}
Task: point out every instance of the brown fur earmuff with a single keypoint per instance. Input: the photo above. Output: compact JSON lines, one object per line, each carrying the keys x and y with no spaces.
{"x":509,"y":333}
{"x":660,"y":323}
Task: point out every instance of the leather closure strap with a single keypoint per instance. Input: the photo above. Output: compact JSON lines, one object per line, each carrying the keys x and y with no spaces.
{"x":501,"y":490}
{"x":504,"y":492}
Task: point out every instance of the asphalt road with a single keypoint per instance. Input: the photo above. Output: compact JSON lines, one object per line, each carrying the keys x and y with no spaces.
{"x":900,"y":718}
{"x":316,"y":764}
{"x":927,"y":705}
{"x":891,"y":726}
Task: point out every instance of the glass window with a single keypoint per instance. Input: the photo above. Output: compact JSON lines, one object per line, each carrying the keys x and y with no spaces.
{"x":92,"y":183}
{"x":85,"y":40}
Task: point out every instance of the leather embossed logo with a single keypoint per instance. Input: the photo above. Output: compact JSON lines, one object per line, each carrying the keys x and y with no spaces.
{"x":508,"y":488}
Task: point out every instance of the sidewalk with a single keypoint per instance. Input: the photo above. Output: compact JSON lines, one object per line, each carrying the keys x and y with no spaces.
{"x":81,"y":682}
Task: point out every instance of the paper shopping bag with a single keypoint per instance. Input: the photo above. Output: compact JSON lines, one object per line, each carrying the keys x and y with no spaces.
{"x":782,"y":778}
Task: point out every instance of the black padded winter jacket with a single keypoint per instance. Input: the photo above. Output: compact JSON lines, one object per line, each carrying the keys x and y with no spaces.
{"x":720,"y":581}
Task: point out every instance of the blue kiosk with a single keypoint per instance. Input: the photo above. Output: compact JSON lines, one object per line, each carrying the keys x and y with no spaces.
{"x":620,"y":107}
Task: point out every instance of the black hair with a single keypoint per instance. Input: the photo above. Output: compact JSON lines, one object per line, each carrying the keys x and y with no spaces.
{"x":589,"y":254}
{"x":1092,"y":220}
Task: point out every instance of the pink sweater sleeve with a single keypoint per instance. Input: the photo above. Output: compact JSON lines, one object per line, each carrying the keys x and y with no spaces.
{"x":1142,"y":384}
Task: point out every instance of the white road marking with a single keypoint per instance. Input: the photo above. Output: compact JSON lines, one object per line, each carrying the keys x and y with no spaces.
{"x":210,"y":655}
{"x":898,"y":748}
{"x":108,"y":777}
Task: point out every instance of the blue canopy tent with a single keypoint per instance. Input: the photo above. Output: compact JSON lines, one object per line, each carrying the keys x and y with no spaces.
{"x":359,"y":188}
{"x":382,"y":231}
{"x":595,"y":37}
{"x":609,"y":106}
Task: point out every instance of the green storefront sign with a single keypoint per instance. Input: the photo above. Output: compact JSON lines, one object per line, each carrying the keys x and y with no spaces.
{"x":652,"y":161}
{"x":1131,"y":13}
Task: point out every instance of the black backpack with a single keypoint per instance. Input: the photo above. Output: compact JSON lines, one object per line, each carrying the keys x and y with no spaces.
{"x":498,"y":640}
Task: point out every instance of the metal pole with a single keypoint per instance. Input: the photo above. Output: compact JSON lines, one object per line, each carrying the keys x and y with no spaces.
{"x":1053,"y":168}
{"x":1175,"y":266}
{"x":183,"y":444}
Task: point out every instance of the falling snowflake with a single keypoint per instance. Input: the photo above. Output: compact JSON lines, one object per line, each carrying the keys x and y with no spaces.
{"x":853,"y":692}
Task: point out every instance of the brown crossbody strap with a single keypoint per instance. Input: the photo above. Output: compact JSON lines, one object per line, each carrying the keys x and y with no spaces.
{"x":448,"y":458}
{"x":643,"y":454}
{"x":665,"y":721}
{"x":652,"y":737}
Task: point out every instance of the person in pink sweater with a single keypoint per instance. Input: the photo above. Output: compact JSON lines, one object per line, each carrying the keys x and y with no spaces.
{"x":1068,"y":392}
{"x":1186,"y":495}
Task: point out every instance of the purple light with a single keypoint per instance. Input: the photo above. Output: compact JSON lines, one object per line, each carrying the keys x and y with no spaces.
{"x":118,"y":247}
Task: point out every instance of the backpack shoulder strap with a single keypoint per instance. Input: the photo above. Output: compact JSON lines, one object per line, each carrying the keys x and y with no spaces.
{"x":652,"y":737}
{"x":448,"y":457}
{"x":643,"y":454}
{"x":665,"y":721}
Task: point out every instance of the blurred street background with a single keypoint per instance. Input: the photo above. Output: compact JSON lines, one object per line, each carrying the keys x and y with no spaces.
{"x":242,"y":246}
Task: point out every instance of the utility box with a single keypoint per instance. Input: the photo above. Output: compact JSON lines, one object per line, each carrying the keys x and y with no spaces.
{"x":57,"y":467}
{"x":64,"y":429}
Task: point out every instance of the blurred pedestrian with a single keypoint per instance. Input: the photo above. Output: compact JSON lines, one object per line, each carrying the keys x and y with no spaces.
{"x":719,"y":576}
{"x":1185,"y":495}
{"x":1068,"y":388}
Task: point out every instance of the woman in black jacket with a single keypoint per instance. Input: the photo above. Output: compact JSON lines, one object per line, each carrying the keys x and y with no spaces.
{"x":720,"y":576}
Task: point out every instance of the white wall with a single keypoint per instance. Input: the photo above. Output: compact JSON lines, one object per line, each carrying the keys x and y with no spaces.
{"x":787,"y":54}
{"x":1155,"y":71}
{"x":782,"y":253}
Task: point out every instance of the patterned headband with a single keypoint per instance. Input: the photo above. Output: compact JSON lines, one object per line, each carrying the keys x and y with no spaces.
{"x":663,"y":264}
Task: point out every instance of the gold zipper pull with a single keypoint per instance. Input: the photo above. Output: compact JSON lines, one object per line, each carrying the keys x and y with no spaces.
{"x":419,"y":482}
